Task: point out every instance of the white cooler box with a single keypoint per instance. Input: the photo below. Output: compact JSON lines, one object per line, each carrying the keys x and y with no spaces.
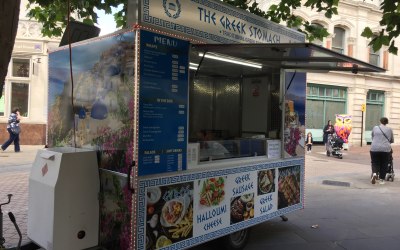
{"x":63,"y":203}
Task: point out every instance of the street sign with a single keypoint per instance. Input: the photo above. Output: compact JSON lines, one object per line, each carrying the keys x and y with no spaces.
{"x":363,"y":107}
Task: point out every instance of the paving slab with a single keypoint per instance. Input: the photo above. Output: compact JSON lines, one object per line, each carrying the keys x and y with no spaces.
{"x":357,"y":216}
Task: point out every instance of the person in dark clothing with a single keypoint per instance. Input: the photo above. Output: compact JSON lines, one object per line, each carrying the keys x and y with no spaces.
{"x":382,"y":137}
{"x":309,"y":142}
{"x":328,"y":131}
{"x":13,"y":122}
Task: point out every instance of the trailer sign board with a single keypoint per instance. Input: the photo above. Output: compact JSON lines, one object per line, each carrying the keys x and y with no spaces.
{"x":219,"y":22}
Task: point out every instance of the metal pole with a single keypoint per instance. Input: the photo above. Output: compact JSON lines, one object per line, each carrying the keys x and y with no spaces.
{"x":2,"y":240}
{"x":362,"y":126}
{"x":282,"y":106}
{"x":132,"y":13}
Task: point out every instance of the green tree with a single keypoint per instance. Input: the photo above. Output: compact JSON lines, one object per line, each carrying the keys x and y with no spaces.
{"x":52,"y":14}
{"x":390,"y":20}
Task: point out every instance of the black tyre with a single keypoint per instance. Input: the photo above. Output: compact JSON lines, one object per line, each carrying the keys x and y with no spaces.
{"x":237,"y":240}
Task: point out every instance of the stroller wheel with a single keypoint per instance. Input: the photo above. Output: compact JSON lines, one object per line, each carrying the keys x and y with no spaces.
{"x":340,"y":157}
{"x":389,"y":177}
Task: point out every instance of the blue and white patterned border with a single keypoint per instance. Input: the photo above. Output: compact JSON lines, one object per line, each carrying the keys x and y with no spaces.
{"x":161,"y":23}
{"x":161,"y":181}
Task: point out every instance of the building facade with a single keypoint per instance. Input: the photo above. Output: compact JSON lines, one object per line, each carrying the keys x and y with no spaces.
{"x":328,"y":94}
{"x":27,"y":82}
{"x":342,"y":93}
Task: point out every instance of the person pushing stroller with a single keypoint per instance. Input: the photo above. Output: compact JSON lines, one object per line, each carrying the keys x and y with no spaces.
{"x":381,"y":150}
{"x":328,"y":131}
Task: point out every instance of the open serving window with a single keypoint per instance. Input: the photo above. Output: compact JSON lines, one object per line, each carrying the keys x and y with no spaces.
{"x":236,"y":97}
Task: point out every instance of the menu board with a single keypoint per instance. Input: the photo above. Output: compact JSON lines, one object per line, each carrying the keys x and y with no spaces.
{"x":163,"y":102}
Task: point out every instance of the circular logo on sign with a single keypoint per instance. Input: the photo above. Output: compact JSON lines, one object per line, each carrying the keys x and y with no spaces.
{"x":172,"y":8}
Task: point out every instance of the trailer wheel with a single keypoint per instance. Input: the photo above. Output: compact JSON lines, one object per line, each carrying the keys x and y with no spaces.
{"x":236,"y":240}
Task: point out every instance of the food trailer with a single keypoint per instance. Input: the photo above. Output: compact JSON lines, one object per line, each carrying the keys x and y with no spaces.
{"x":197,"y":115}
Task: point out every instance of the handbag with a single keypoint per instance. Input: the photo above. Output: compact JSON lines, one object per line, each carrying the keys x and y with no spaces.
{"x":391,"y":150}
{"x":15,"y":130}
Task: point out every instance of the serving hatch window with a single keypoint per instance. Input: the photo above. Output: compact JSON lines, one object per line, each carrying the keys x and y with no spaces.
{"x":233,"y":107}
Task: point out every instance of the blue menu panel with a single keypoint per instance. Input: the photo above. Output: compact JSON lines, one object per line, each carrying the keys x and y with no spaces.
{"x":163,"y":102}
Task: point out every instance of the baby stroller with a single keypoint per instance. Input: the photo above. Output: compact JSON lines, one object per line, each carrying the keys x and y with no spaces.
{"x":335,"y":146}
{"x":390,"y":172}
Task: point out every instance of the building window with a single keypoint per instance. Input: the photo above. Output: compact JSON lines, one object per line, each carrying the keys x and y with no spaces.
{"x":375,"y":108}
{"x":323,"y":103}
{"x":20,"y":97}
{"x":374,"y":57}
{"x":20,"y":67}
{"x":338,"y":40}
{"x":2,"y":102}
{"x":317,"y":41}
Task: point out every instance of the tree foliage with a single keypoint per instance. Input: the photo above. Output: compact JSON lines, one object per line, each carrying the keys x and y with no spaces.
{"x":53,"y":15}
{"x":391,"y":27}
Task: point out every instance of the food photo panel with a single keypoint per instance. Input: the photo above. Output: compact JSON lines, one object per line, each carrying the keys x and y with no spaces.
{"x":266,"y":200}
{"x":211,"y":205}
{"x":242,"y":208}
{"x":241,"y":189}
{"x":266,"y":181}
{"x":288,"y":186}
{"x":169,"y":214}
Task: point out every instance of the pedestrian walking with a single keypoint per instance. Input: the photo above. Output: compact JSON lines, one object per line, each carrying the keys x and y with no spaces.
{"x":309,"y":142}
{"x":382,"y":137}
{"x":328,"y":131}
{"x":13,"y":129}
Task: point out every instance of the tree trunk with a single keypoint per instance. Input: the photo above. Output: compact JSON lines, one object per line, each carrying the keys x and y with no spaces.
{"x":9,"y":16}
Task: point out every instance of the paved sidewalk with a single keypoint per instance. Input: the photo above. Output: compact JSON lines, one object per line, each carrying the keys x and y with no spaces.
{"x":360,"y":216}
{"x":351,"y":215}
{"x":14,"y":179}
{"x":357,"y":216}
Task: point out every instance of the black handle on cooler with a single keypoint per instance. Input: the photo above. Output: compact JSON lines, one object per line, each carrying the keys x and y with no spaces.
{"x":12,"y":218}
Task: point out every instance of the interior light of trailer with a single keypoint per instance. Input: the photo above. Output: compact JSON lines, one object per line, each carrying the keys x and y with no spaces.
{"x":193,"y":66}
{"x":230,"y":59}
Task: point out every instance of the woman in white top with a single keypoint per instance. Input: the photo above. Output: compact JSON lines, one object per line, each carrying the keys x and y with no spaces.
{"x":382,"y":137}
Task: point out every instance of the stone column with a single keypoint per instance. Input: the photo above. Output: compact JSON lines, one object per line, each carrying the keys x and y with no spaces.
{"x":388,"y":104}
{"x":351,"y":41}
{"x":356,"y":96}
{"x":328,"y":41}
